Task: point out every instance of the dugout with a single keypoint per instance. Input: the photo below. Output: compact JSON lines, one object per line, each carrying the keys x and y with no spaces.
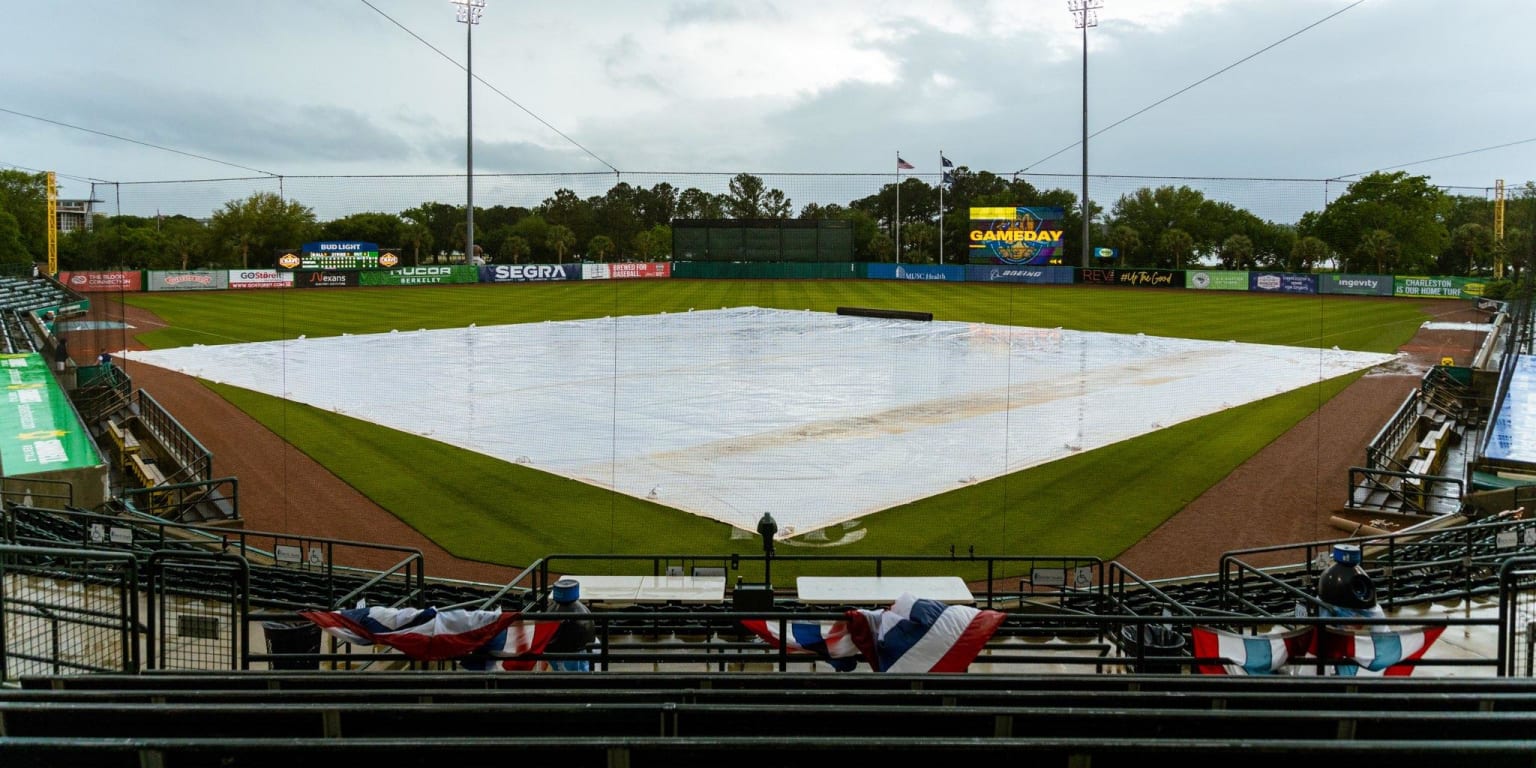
{"x":762,"y":240}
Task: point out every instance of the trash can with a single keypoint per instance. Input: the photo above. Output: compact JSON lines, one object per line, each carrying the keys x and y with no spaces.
{"x":293,"y":638}
{"x":752,"y":597}
{"x":1141,"y":640}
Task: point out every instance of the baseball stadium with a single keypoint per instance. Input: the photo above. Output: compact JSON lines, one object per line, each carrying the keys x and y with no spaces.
{"x":783,"y":492}
{"x":353,"y":451}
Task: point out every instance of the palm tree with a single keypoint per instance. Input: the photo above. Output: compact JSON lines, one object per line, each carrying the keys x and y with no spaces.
{"x":600,"y":246}
{"x":418,"y":236}
{"x":1177,"y":244}
{"x":515,"y":248}
{"x":560,"y":238}
{"x":1379,"y":246}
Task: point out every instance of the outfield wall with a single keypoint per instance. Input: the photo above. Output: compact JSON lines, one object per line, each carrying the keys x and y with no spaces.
{"x":1294,"y":283}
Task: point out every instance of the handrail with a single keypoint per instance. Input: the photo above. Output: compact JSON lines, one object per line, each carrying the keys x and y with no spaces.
{"x":1404,"y":496}
{"x":412,"y":594}
{"x":989,"y":594}
{"x":192,"y":459}
{"x":1381,"y":450}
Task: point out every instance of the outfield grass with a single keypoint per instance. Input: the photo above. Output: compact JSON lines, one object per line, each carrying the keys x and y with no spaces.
{"x":1095,"y":503}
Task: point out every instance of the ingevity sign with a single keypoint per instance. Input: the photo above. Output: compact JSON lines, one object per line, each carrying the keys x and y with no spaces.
{"x":1359,"y":285}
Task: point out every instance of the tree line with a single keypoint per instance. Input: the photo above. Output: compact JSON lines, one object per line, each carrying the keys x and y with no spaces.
{"x":1384,"y":223}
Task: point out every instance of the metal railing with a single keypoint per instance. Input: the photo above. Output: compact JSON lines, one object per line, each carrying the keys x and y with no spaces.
{"x":67,"y":611}
{"x":1415,"y":493}
{"x":193,"y":462}
{"x":1381,"y":451}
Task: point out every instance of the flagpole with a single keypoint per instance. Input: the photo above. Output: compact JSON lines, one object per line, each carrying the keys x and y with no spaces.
{"x":898,"y":206}
{"x":941,"y":207}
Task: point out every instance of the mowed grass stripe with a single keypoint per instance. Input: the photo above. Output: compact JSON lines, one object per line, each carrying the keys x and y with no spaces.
{"x":1096,"y":503}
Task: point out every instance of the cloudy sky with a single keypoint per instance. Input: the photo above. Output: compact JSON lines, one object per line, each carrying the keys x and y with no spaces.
{"x":305,"y":87}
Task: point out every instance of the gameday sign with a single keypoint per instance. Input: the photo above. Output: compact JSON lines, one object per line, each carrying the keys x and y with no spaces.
{"x":1016,"y":234}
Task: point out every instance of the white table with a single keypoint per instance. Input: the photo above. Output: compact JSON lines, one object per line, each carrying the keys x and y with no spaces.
{"x":651,"y":589}
{"x":607,"y":589}
{"x":862,"y":590}
{"x":681,"y":589}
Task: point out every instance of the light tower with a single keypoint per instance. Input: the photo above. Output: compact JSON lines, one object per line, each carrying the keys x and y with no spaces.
{"x":469,"y":15}
{"x":1085,"y":15}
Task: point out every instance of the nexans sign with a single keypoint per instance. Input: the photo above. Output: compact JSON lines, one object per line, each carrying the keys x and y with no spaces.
{"x":529,"y":273}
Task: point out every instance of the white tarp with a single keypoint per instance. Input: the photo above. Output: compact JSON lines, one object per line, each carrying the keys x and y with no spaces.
{"x":816,"y":417}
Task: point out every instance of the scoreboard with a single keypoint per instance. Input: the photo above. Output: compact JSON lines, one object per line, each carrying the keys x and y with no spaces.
{"x":338,"y":254}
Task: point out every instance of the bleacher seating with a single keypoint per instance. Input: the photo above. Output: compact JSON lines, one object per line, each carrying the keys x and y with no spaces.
{"x":653,"y":719}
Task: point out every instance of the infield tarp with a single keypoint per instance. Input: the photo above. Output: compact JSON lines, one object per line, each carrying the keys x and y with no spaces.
{"x":819,"y":417}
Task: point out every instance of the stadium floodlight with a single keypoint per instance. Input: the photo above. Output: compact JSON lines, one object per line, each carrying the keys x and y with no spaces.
{"x":1085,"y":15}
{"x":468,"y":13}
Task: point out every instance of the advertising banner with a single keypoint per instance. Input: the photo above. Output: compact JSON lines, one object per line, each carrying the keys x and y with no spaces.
{"x":1140,"y":278}
{"x":102,"y":282}
{"x":259,"y":278}
{"x":442,"y":274}
{"x":1282,"y":282}
{"x":649,"y":269}
{"x":955,"y":274}
{"x":1216,"y":280}
{"x":197,"y":280}
{"x":38,"y":428}
{"x":529,"y":273}
{"x":1358,"y":285}
{"x":1016,"y":234}
{"x":625,"y":271}
{"x":1438,"y":287}
{"x":325,"y":278}
{"x":981,"y":273}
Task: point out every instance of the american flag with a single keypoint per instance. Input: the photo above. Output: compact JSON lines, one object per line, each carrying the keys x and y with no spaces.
{"x":829,"y":641}
{"x":1248,"y":654}
{"x":922,"y":635}
{"x":427,"y":634}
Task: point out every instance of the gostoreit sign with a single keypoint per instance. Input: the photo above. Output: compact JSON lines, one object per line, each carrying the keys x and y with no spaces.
{"x":39,"y":429}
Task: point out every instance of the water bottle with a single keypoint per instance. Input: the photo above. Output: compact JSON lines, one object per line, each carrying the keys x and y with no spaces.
{"x":574,"y":635}
{"x":1346,"y":587}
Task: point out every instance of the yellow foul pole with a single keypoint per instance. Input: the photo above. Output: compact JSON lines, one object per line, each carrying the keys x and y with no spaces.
{"x":53,"y":225}
{"x":1498,"y":229}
